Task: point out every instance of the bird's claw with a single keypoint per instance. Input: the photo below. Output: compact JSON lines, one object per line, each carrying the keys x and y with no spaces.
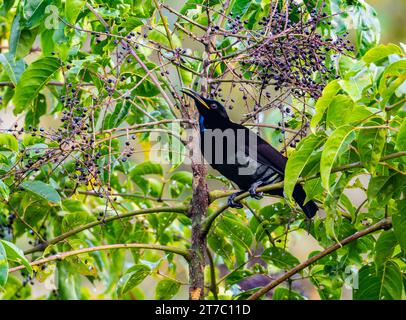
{"x":253,"y":192}
{"x":234,"y":204}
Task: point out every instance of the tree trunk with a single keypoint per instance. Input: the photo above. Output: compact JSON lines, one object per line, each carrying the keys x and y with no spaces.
{"x":200,"y":202}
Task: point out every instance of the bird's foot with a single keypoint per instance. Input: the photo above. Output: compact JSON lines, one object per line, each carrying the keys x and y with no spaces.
{"x":234,"y":204}
{"x":253,"y":190}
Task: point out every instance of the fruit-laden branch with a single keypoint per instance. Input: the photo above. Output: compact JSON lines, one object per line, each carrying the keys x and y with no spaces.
{"x":214,"y":195}
{"x":42,"y":246}
{"x":62,"y":255}
{"x":383,"y":224}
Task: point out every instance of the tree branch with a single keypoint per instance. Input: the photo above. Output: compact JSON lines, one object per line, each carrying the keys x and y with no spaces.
{"x":383,"y":224}
{"x":60,"y":256}
{"x":42,"y":246}
{"x":214,"y":195}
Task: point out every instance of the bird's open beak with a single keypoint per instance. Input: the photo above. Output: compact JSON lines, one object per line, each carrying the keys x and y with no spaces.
{"x":195,"y":96}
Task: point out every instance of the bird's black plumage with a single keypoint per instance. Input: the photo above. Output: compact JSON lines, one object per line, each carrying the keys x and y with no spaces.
{"x":240,"y":155}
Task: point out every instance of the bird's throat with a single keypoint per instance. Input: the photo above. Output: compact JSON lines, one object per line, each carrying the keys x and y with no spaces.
{"x":212,"y":123}
{"x":201,"y":123}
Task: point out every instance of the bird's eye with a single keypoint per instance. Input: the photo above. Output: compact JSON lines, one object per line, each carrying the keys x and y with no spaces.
{"x":213,"y":106}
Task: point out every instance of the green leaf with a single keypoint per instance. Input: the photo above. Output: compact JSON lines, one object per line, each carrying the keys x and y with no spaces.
{"x":21,"y":39}
{"x":370,"y":143}
{"x":313,"y":188}
{"x":34,"y":11}
{"x":384,"y":247}
{"x":42,"y":190}
{"x":133,"y":277}
{"x":240,"y":7}
{"x":72,"y":9}
{"x":355,"y":86}
{"x":380,"y":52}
{"x":236,"y":230}
{"x":298,"y":160}
{"x":381,"y":189}
{"x":384,"y":284}
{"x":83,"y":264}
{"x":8,"y":142}
{"x":4,"y":190}
{"x":143,"y":8}
{"x":147,"y":167}
{"x":392,"y":78}
{"x":13,"y":68}
{"x":331,"y":150}
{"x":76,"y":219}
{"x":3,"y":266}
{"x":159,"y":35}
{"x":221,"y":246}
{"x":399,"y":223}
{"x":323,"y":103}
{"x":338,"y":111}
{"x":183,"y":177}
{"x":34,"y":78}
{"x":14,"y":253}
{"x":39,"y":108}
{"x":114,"y":119}
{"x":401,"y":138}
{"x":280,"y":258}
{"x":67,"y":282}
{"x":367,"y":26}
{"x":166,"y":289}
{"x":286,"y":294}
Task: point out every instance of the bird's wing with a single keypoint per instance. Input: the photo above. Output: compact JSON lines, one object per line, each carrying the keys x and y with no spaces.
{"x":265,"y":153}
{"x":268,"y":155}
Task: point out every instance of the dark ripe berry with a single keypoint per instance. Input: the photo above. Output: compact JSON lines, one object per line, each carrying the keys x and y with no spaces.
{"x":124,"y":159}
{"x":127,"y":143}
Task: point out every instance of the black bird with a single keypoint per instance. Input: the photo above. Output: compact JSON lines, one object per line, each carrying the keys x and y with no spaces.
{"x":240,"y":155}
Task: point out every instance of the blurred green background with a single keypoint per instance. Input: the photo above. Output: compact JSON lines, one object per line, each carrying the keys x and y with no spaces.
{"x":391,"y":14}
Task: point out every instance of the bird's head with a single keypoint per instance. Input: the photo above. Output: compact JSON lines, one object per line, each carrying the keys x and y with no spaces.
{"x":208,"y":108}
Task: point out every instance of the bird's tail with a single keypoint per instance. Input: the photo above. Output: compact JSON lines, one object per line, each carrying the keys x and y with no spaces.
{"x":310,"y":208}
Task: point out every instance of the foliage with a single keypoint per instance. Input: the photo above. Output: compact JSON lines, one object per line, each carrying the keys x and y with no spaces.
{"x":96,"y":83}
